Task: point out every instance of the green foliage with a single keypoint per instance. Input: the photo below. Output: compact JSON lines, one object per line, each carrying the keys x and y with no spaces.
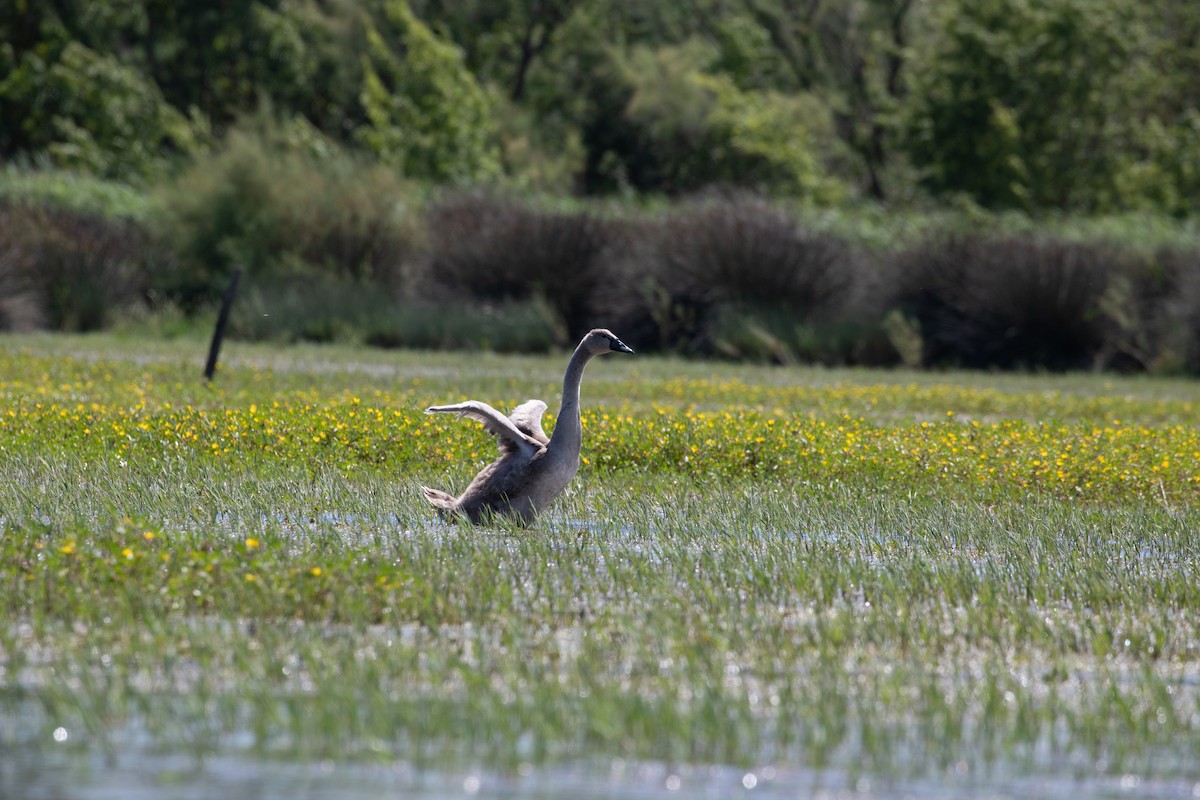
{"x":539,"y":154}
{"x":503,"y":40}
{"x":688,"y":129}
{"x":765,"y":140}
{"x":426,"y":114}
{"x":1021,"y":103}
{"x":115,"y":86}
{"x":283,"y":208}
{"x":1167,"y":177}
{"x":219,"y":62}
{"x":746,"y":55}
{"x":1078,"y":105}
{"x":89,"y":112}
{"x":1161,"y":169}
{"x":44,"y":185}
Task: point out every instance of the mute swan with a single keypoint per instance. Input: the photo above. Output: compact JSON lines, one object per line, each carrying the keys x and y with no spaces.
{"x":532,"y":469}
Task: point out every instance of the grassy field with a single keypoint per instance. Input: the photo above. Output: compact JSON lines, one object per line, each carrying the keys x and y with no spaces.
{"x":960,"y":577}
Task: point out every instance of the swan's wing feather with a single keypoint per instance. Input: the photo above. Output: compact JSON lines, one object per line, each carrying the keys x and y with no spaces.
{"x":509,"y":436}
{"x":528,"y":419}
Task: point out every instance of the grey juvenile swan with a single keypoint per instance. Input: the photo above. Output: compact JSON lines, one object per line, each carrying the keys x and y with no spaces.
{"x":532,"y":469}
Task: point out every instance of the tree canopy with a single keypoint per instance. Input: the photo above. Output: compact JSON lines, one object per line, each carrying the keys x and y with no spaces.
{"x":1075,"y":105}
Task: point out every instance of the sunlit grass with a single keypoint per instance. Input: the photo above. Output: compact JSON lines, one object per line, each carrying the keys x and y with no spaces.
{"x":984,"y":441}
{"x":872,"y":572}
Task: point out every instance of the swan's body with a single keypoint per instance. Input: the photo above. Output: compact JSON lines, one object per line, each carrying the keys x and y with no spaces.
{"x":532,"y":469}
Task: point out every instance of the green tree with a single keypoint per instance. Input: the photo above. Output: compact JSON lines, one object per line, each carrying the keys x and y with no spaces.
{"x":1163,"y":169}
{"x":90,"y":112}
{"x":108,"y":85}
{"x":852,"y":54}
{"x":224,"y":60}
{"x":502,"y":39}
{"x":1024,"y":105}
{"x":680,"y":128}
{"x":425,"y":112}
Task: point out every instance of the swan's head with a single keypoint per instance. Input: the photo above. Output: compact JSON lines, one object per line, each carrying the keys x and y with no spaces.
{"x":602,"y":340}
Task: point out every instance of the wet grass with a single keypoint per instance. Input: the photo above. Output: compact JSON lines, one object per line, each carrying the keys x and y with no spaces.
{"x":884,"y":574}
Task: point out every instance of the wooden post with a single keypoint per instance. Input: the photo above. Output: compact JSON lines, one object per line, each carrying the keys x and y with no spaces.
{"x":222,"y":321}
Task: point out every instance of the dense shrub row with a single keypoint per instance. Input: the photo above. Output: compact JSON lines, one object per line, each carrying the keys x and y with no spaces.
{"x":488,"y":250}
{"x":729,"y":276}
{"x":69,"y":270}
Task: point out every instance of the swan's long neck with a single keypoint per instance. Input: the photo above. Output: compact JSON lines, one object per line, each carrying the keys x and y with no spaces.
{"x":568,"y":430}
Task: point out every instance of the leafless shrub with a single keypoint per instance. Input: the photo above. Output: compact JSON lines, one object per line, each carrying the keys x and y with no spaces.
{"x":68,"y":270}
{"x":492,"y":249}
{"x":20,"y":309}
{"x":1155,"y":311}
{"x":982,"y":301}
{"x":673,"y":281}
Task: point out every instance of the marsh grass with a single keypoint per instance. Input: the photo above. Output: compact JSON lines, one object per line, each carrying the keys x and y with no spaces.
{"x":303,"y":600}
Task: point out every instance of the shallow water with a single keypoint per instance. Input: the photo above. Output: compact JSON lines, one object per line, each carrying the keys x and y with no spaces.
{"x":40,"y":773}
{"x":33,"y":766}
{"x":134,"y":767}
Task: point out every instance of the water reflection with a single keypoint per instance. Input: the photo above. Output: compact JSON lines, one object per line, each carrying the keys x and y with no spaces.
{"x":28,"y":773}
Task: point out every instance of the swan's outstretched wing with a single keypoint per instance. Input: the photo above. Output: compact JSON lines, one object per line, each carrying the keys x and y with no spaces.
{"x":528,"y":419}
{"x":509,"y":436}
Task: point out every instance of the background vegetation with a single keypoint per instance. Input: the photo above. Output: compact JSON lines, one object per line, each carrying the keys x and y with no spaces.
{"x":1007,"y":183}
